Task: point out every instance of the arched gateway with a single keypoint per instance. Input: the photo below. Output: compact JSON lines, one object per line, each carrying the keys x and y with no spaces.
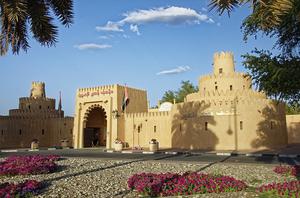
{"x":99,"y":119}
{"x":95,"y":128}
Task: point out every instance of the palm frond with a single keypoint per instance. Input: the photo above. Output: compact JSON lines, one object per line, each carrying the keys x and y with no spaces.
{"x":63,"y":9}
{"x":42,"y":27}
{"x":222,"y":5}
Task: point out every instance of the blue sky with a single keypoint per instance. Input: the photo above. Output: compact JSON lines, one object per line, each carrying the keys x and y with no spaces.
{"x":127,"y":41}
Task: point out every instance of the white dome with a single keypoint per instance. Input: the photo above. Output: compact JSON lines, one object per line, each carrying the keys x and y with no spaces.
{"x":166,"y":106}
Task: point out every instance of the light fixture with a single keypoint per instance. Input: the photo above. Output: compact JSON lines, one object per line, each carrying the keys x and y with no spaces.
{"x":115,"y":114}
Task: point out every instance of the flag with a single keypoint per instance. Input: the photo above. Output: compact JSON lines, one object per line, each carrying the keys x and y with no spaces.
{"x":125,"y":101}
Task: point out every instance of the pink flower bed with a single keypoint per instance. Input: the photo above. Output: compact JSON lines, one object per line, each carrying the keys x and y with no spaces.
{"x":285,"y":189}
{"x":25,"y":189}
{"x":287,"y":170}
{"x":24,"y":165}
{"x":171,"y":184}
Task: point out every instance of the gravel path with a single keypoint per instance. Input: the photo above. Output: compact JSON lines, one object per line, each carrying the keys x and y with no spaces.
{"x":79,"y":177}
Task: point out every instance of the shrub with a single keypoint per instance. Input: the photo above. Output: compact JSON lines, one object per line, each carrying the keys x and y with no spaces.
{"x":287,"y":170}
{"x":24,"y":189}
{"x":24,"y":165}
{"x":285,"y":189}
{"x":170,"y":184}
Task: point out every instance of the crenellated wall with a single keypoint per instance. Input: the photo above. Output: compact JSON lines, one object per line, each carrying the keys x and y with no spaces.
{"x":243,"y":125}
{"x":140,"y":128}
{"x":29,"y":103}
{"x":224,"y":82}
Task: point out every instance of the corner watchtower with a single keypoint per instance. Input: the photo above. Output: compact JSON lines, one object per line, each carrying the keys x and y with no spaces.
{"x":223,"y":63}
{"x":37,"y":90}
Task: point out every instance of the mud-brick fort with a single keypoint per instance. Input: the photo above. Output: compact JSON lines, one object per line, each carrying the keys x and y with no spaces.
{"x":36,"y":118}
{"x":225,"y":114}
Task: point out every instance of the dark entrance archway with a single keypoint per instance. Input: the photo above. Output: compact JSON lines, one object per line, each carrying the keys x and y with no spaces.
{"x":96,"y":126}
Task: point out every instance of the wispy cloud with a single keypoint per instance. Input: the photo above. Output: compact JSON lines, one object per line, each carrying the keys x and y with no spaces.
{"x":167,"y":15}
{"x":92,"y":46}
{"x":110,"y":26}
{"x":170,"y":15}
{"x":135,"y":28}
{"x":177,"y":70}
{"x":104,"y":37}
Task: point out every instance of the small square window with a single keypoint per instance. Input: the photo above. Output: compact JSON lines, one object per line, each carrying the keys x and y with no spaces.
{"x":272,"y":124}
{"x":2,"y":132}
{"x":216,"y":88}
{"x":154,"y":129}
{"x":230,"y":87}
{"x":139,"y":129}
{"x":43,"y":131}
{"x":220,"y":70}
{"x":40,"y":107}
{"x":20,"y":132}
{"x":206,"y":126}
{"x":241,"y":125}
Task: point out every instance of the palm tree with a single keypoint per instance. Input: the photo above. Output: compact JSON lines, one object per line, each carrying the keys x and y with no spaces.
{"x":270,"y":11}
{"x":20,"y":17}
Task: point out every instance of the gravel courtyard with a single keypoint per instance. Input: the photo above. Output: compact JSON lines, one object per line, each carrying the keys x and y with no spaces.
{"x":78,"y":177}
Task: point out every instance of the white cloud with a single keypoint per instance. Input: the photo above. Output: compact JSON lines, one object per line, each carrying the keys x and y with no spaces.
{"x":92,"y":46}
{"x":204,"y":9}
{"x":103,"y":37}
{"x":110,"y":26}
{"x":135,"y":28}
{"x":170,"y":15}
{"x":177,"y":70}
{"x":125,"y":36}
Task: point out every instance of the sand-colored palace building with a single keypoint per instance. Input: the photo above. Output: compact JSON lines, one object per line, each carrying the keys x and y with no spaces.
{"x":226,"y":114}
{"x":36,"y":118}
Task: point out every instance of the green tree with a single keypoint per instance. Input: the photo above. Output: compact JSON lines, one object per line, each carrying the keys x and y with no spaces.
{"x":19,"y":17}
{"x":277,"y":75}
{"x":292,"y":108}
{"x":169,"y":96}
{"x":186,"y":88}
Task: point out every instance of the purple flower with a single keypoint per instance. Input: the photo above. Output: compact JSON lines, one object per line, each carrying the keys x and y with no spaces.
{"x":171,"y":184}
{"x":24,"y":165}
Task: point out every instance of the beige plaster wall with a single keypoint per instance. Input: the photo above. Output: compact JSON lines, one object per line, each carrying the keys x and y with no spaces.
{"x":224,"y":130}
{"x":140,"y":128}
{"x":293,"y":128}
{"x":19,"y":132}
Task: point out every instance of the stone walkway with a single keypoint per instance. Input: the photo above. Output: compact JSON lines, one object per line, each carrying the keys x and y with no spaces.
{"x":79,"y":177}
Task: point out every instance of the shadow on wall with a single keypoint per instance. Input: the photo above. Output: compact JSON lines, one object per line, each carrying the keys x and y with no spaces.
{"x":191,"y":129}
{"x":271,"y":132}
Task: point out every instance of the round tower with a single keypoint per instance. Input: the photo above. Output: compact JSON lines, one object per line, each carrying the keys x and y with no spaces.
{"x":37,"y":90}
{"x":223,"y":63}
